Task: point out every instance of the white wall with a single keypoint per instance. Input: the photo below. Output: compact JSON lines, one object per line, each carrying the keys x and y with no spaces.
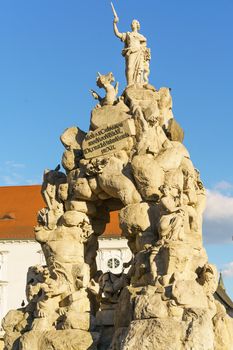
{"x":15,"y":259}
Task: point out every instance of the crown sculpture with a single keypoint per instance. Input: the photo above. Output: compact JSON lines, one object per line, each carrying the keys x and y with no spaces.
{"x":132,"y":160}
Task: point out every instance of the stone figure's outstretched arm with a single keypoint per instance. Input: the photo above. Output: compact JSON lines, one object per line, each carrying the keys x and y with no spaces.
{"x":96,"y":95}
{"x":115,"y":29}
{"x":115,"y":21}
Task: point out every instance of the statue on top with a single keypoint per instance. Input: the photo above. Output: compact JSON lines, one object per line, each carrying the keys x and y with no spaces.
{"x":136,"y":53}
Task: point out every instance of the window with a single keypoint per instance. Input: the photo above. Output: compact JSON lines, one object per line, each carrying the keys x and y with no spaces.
{"x":113,"y":263}
{"x":3,"y":265}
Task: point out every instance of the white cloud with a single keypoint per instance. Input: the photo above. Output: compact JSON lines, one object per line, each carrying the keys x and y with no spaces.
{"x":13,"y":174}
{"x":13,"y":164}
{"x":9,"y":180}
{"x":228,"y":271}
{"x":219,"y":206}
{"x":223,"y":185}
{"x":218,"y":216}
{"x":35,"y":181}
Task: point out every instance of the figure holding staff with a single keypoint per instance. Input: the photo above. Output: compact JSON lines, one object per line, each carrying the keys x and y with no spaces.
{"x":137,"y":55}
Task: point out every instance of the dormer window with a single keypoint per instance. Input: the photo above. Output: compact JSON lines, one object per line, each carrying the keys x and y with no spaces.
{"x":7,"y":216}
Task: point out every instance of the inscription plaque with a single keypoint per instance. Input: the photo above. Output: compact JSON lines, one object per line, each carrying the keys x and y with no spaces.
{"x":108,"y":139}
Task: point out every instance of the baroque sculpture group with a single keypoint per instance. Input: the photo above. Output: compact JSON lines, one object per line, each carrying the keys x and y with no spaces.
{"x":132,"y":160}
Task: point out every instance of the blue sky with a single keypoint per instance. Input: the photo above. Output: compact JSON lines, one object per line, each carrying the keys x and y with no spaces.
{"x":50,"y":53}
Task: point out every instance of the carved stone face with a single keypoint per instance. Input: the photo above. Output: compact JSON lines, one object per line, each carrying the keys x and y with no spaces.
{"x":152,"y":120}
{"x":135,"y":25}
{"x":165,"y":190}
{"x":51,"y":190}
{"x":63,"y":191}
{"x":45,"y":273}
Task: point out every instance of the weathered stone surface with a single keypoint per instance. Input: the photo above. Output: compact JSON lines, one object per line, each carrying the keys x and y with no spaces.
{"x":95,"y":186}
{"x":197,"y":329}
{"x":75,"y":319}
{"x":74,"y":218}
{"x":174,"y":131}
{"x":72,"y":138}
{"x":138,"y":217}
{"x":150,"y":306}
{"x":174,"y":178}
{"x":118,"y":338}
{"x":223,"y":325}
{"x":70,"y":159}
{"x":174,"y":257}
{"x":59,"y":340}
{"x":189,"y":294}
{"x":84,"y":207}
{"x":141,"y":334}
{"x":82,"y":190}
{"x":13,"y":323}
{"x":140,"y":93}
{"x":125,"y":308}
{"x":108,"y":114}
{"x":170,"y":159}
{"x":114,"y":182}
{"x":149,"y":176}
{"x":191,"y":333}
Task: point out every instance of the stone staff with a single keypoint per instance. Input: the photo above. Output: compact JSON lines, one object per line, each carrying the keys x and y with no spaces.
{"x":114,"y":13}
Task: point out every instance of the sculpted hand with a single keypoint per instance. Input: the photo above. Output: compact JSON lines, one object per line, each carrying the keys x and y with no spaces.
{"x":94,"y":94}
{"x":116,"y":20}
{"x":41,"y":313}
{"x":181,"y":211}
{"x":62,"y":311}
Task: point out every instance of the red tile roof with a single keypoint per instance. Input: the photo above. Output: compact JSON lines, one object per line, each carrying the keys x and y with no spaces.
{"x":18,"y":211}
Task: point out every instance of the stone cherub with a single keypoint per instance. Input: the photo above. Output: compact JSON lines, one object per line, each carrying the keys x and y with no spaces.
{"x":104,"y":81}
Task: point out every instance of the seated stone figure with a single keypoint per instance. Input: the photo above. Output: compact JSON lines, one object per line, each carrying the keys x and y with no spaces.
{"x":171,"y":223}
{"x":151,"y":137}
